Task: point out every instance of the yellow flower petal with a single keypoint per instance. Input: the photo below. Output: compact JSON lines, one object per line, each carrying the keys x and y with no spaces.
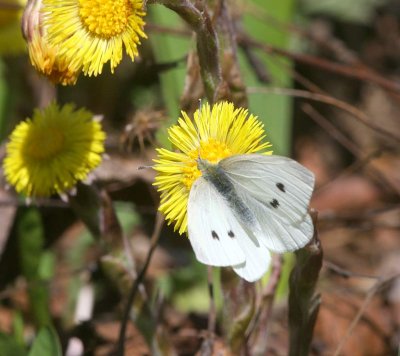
{"x":48,"y":61}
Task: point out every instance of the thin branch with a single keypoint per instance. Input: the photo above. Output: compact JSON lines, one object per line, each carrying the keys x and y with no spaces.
{"x":332,"y":44}
{"x":42,"y":202}
{"x":363,"y":160}
{"x":368,"y":214}
{"x":207,"y":345}
{"x":353,"y":111}
{"x":333,"y":131}
{"x":353,"y":71}
{"x":356,"y":71}
{"x":212,"y":317}
{"x":340,"y":271}
{"x":131,"y":297}
{"x":381,"y":283}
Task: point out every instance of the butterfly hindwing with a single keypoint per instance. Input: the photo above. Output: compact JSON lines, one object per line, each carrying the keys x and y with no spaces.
{"x":258,"y":259}
{"x":277,"y":190}
{"x":213,"y":230}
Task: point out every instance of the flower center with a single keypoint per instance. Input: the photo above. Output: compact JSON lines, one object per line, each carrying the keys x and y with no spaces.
{"x":45,"y":144}
{"x":212,"y":151}
{"x":105,"y":18}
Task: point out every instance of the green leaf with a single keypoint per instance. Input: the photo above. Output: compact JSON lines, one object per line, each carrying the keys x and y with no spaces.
{"x":9,"y":346}
{"x":127,"y":215}
{"x":46,"y":265}
{"x":46,"y":343}
{"x":283,"y":284}
{"x":357,"y":11}
{"x":86,"y":204}
{"x":31,"y":239}
{"x":275,"y":112}
{"x":167,"y":48}
{"x":18,"y":328}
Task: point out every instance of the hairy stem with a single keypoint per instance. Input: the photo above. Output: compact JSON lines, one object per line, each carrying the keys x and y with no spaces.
{"x":303,"y":302}
{"x":207,"y":42}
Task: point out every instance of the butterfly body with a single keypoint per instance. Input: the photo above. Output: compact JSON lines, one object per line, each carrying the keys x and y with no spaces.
{"x":215,"y":175}
{"x":245,"y":206}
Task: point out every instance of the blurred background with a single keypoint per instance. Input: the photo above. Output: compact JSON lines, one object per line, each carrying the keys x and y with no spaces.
{"x":324,"y":78}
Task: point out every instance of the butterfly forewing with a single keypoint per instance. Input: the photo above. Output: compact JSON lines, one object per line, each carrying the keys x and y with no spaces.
{"x":213,"y":229}
{"x":277,"y":190}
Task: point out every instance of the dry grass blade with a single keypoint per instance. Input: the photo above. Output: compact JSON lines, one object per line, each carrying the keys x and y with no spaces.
{"x":153,"y":244}
{"x":350,"y":109}
{"x":375,"y":288}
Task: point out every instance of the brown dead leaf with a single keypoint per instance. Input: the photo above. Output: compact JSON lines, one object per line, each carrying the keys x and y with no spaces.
{"x":6,"y":319}
{"x":161,"y":262}
{"x":347,"y":193}
{"x":335,"y":316}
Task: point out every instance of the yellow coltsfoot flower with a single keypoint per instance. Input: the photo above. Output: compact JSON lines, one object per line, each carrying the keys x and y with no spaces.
{"x":45,"y":58}
{"x":48,"y":61}
{"x":91,"y":33}
{"x":215,"y":133}
{"x":52,"y":151}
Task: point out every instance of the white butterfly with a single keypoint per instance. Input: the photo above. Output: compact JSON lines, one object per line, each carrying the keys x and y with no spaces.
{"x":246,"y":206}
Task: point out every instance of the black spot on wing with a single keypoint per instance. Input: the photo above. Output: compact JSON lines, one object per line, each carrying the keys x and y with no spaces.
{"x":281,"y":187}
{"x":274,"y":203}
{"x":214,"y":235}
{"x":231,"y":234}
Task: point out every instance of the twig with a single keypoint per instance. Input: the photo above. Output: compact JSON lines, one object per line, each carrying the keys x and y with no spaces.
{"x":368,"y":298}
{"x":303,"y":303}
{"x":182,"y":32}
{"x":207,"y":345}
{"x":332,"y":44}
{"x":353,"y":111}
{"x":363,"y":160}
{"x":333,"y":131}
{"x":352,"y":71}
{"x":368,"y":214}
{"x":131,"y":297}
{"x":212,"y":311}
{"x":356,"y":71}
{"x":42,"y":202}
{"x":255,"y":63}
{"x":334,"y":268}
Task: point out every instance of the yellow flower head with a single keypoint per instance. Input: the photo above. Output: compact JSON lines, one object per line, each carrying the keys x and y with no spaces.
{"x":215,"y":134}
{"x":47,"y":61}
{"x":52,"y":151}
{"x":91,"y":33}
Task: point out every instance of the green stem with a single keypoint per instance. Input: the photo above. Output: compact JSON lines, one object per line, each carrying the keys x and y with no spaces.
{"x":303,"y":302}
{"x":207,"y":42}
